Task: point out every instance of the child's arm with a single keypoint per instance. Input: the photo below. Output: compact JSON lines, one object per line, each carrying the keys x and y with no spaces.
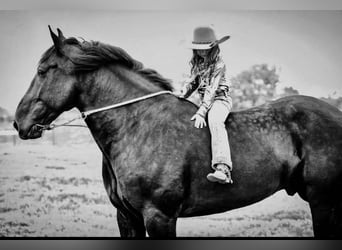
{"x":210,"y":91}
{"x":190,"y":86}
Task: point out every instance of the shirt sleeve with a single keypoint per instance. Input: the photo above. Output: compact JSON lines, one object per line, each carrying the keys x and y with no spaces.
{"x":190,"y":85}
{"x":209,"y":93}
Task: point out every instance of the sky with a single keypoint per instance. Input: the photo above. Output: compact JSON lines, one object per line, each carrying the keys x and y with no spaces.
{"x":305,"y":46}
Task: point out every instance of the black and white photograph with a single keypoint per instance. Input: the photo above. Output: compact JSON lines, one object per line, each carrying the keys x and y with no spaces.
{"x":162,"y":121}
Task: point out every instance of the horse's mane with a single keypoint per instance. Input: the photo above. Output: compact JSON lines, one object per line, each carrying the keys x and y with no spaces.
{"x":96,"y":54}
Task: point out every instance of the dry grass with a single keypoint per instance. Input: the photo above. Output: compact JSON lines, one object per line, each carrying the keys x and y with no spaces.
{"x":50,"y":190}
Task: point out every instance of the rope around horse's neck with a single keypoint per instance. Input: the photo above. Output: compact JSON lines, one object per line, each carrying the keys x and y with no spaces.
{"x":90,"y":112}
{"x":85,"y":114}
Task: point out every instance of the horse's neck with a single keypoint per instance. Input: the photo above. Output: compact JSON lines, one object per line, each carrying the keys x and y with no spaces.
{"x":110,"y":86}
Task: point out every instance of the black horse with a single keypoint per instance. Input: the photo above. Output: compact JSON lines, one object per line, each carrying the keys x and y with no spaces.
{"x":155,"y":162}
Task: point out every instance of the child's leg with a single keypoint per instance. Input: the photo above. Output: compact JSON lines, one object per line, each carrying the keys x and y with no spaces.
{"x":217,"y":116}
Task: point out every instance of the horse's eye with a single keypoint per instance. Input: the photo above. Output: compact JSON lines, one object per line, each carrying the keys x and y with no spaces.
{"x":41,"y":72}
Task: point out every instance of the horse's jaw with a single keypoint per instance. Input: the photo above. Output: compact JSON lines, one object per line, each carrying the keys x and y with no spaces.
{"x":32,"y":131}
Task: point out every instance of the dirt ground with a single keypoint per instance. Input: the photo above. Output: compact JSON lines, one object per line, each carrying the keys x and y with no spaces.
{"x":48,"y":190}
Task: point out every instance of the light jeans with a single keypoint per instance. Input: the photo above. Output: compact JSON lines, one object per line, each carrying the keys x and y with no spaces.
{"x":217,"y":116}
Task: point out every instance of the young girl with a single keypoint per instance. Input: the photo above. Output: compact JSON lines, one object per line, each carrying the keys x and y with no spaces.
{"x":208,"y":78}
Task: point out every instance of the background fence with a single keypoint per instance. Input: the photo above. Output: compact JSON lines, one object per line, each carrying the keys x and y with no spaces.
{"x":58,"y":136}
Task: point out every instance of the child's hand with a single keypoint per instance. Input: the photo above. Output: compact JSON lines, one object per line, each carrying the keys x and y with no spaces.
{"x":199,"y":121}
{"x":179,"y":94}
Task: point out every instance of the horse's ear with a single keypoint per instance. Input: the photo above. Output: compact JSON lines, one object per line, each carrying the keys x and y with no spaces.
{"x":60,"y":35}
{"x":56,"y":40}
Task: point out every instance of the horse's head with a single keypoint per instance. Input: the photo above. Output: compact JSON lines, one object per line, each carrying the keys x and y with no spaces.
{"x":52,"y":90}
{"x":64,"y":81}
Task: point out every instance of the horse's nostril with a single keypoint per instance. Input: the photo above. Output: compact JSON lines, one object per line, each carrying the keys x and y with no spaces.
{"x":15,"y":125}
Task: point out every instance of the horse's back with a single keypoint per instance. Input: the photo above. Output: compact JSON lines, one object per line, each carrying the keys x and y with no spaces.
{"x":314,"y":118}
{"x":299,"y":103}
{"x":300,"y":114}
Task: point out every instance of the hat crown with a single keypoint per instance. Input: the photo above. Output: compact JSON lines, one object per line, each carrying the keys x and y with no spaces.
{"x":204,"y":35}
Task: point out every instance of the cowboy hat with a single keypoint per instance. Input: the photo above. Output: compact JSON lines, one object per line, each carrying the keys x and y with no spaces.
{"x":205,"y":38}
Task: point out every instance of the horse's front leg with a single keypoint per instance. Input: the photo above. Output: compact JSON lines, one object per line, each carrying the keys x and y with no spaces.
{"x":130,"y":226}
{"x":158,"y":224}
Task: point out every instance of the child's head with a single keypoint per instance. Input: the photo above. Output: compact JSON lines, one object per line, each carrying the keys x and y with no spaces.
{"x":205,"y":45}
{"x":204,"y":55}
{"x":202,"y":52}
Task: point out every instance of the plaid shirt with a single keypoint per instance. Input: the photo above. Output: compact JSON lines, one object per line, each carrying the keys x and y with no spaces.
{"x":210,"y":82}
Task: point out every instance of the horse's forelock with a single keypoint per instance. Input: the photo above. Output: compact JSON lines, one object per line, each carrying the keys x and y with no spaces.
{"x":52,"y":50}
{"x":47,"y":54}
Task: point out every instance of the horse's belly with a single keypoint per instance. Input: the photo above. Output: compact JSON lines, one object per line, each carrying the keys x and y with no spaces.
{"x":248,"y":187}
{"x":220,"y":205}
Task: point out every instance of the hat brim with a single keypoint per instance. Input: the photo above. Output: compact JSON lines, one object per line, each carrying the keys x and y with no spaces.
{"x":205,"y":46}
{"x":200,"y":46}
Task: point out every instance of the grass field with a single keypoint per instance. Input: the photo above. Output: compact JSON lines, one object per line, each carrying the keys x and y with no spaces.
{"x":48,"y":190}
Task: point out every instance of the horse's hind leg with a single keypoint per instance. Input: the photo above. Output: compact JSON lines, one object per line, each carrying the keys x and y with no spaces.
{"x":130,"y":226}
{"x":158,"y":224}
{"x":326,"y":218}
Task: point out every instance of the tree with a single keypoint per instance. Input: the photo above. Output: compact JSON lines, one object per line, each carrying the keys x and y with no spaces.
{"x":287,"y":91}
{"x":254,"y":86}
{"x":5,"y":118}
{"x":337,"y":102}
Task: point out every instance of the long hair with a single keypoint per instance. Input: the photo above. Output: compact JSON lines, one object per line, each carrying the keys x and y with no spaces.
{"x":212,"y":58}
